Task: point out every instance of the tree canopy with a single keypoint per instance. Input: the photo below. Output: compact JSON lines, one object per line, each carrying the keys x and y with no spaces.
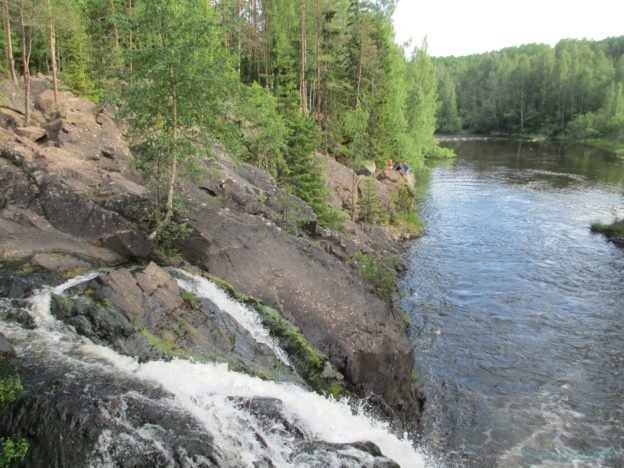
{"x":575,"y":89}
{"x":274,"y":81}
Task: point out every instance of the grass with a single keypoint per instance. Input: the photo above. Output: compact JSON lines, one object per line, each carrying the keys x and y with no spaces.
{"x":408,"y":222}
{"x":189,"y":298}
{"x":614,"y":231}
{"x":381,"y":271}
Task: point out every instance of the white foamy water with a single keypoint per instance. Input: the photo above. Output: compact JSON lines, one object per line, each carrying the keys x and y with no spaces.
{"x":40,"y":303}
{"x":206,"y":391}
{"x":244,"y":315}
{"x":212,"y":395}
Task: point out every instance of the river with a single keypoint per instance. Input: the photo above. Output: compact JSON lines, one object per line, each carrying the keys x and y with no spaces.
{"x":517,"y":309}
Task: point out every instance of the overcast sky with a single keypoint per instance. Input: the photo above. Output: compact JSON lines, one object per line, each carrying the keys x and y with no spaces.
{"x":462,"y":27}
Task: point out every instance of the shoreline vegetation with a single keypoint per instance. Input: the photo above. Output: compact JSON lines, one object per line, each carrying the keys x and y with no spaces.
{"x":607,"y":144}
{"x":614,"y":231}
{"x":572,"y":91}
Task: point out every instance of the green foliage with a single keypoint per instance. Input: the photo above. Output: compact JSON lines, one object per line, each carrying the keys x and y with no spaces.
{"x":164,"y":346}
{"x":369,"y":205}
{"x":167,"y":234}
{"x":381,"y":271}
{"x":264,"y":132}
{"x":614,"y":231}
{"x":175,"y":91}
{"x":408,"y":222}
{"x":302,"y":173}
{"x":440,"y":152}
{"x":574,"y":88}
{"x":10,"y":388}
{"x":12,"y":450}
{"x":188,"y":297}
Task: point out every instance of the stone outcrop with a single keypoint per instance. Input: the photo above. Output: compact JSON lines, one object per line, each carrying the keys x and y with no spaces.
{"x":73,"y":193}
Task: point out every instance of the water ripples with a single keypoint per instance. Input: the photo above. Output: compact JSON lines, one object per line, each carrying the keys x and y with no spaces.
{"x":517,"y":309}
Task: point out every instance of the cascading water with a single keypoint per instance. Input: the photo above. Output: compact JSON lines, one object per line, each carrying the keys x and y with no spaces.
{"x":246,"y":317}
{"x":224,"y":418}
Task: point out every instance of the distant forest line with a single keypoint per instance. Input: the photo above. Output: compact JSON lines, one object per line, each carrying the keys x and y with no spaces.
{"x":574,"y":89}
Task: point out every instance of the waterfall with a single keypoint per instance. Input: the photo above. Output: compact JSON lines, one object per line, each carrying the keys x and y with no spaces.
{"x":253,"y":422}
{"x":246,"y":317}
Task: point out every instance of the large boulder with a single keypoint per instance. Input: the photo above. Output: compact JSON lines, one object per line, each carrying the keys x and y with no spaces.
{"x":56,"y":199}
{"x":337,"y":310}
{"x":342,"y":182}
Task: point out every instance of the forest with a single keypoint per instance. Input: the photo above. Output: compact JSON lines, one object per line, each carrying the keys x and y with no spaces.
{"x":575,"y":89}
{"x":273,"y":81}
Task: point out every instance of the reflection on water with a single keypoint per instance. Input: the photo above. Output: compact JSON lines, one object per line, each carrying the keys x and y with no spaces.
{"x":517,"y":308}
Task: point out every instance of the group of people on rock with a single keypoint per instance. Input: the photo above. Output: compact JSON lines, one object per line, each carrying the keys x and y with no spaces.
{"x":403,"y":168}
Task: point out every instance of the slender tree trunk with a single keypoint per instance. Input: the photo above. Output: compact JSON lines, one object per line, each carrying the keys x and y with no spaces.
{"x":257,"y":39}
{"x":265,"y":14}
{"x":173,"y":161}
{"x":318,"y":60}
{"x":238,"y":36}
{"x":522,"y":105}
{"x":26,"y":48}
{"x":302,"y":82}
{"x":51,"y":39}
{"x":9,"y":45}
{"x":359,"y":75}
{"x":115,"y":31}
{"x":130,"y":39}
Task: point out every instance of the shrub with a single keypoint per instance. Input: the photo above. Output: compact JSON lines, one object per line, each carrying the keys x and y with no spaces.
{"x":381,"y":271}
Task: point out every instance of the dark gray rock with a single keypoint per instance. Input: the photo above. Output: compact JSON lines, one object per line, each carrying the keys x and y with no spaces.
{"x":6,"y":349}
{"x":77,"y":416}
{"x":104,"y":325}
{"x":337,"y":310}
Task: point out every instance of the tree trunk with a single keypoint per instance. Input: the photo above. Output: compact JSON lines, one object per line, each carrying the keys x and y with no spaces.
{"x":115,"y":32}
{"x":52,"y":52}
{"x":173,"y":161}
{"x":522,"y":105}
{"x":9,"y":46}
{"x":359,"y":76}
{"x":265,"y":15}
{"x":26,"y":48}
{"x":130,"y":31}
{"x":318,"y":61}
{"x":302,"y":82}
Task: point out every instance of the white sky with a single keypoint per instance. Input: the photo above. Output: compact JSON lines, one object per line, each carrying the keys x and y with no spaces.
{"x":463,"y":27}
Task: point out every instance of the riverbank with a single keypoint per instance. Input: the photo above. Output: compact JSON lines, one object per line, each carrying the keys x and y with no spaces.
{"x":606,"y":144}
{"x":614,"y":231}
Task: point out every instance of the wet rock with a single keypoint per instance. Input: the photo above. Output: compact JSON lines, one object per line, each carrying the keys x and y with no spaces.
{"x":104,"y":325}
{"x":6,"y":349}
{"x":144,"y":298}
{"x":18,"y":282}
{"x":58,"y":263}
{"x":74,"y":416}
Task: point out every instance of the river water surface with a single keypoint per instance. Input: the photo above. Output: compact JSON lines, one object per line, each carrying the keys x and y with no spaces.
{"x":517,"y":309}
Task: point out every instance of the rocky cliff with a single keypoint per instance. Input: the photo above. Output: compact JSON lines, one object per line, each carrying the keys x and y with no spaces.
{"x":70,"y":200}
